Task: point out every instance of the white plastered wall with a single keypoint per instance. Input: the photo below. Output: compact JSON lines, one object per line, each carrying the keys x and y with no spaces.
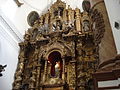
{"x":113,"y":9}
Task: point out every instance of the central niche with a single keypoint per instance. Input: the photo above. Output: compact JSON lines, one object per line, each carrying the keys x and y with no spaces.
{"x":55,"y":64}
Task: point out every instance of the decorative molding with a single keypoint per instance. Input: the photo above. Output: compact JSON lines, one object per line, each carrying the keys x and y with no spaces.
{"x":97,"y":4}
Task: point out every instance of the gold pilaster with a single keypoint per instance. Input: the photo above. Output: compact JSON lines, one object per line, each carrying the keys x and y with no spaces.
{"x":45,"y":71}
{"x":63,"y":74}
{"x":78,"y":20}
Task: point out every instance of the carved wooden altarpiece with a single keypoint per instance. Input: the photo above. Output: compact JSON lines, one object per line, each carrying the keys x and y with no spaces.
{"x":59,"y":51}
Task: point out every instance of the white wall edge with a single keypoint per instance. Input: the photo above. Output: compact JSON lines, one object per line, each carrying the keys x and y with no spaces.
{"x":11,"y":28}
{"x":108,"y":83}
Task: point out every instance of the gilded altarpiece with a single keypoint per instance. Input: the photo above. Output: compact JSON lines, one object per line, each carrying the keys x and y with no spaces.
{"x":58,"y":52}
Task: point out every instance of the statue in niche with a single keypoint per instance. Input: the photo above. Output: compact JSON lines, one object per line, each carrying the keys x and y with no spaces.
{"x":86,"y":21}
{"x":57,"y":25}
{"x":86,"y":25}
{"x":55,"y":65}
{"x":57,"y":69}
{"x":70,"y":25}
{"x":58,"y":12}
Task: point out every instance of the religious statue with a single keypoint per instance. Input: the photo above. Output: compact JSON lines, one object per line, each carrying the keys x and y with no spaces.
{"x":85,"y":22}
{"x":57,"y":69}
{"x":86,"y":25}
{"x":57,"y":25}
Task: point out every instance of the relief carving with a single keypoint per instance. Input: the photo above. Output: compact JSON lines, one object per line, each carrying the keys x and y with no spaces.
{"x":60,"y":49}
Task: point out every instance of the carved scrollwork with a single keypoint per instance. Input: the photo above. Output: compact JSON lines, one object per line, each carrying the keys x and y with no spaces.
{"x":60,"y":48}
{"x":98,"y":25}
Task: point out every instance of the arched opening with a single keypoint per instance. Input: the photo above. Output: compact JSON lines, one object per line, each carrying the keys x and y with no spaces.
{"x":55,"y":60}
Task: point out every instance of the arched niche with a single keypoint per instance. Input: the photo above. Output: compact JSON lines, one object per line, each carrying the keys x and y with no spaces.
{"x":55,"y":62}
{"x":63,"y":49}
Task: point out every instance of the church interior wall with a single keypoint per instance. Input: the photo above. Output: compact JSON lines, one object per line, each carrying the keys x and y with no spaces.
{"x":9,"y":56}
{"x":113,"y":8}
